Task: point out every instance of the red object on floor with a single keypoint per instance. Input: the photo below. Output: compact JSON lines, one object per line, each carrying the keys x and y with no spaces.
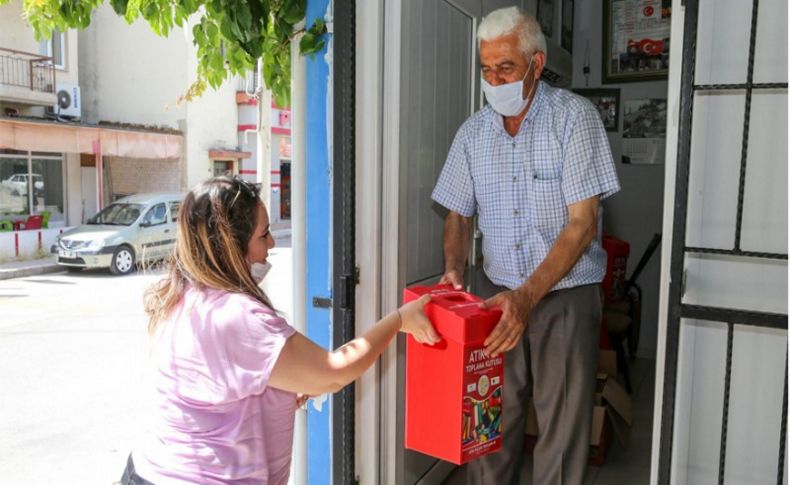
{"x":453,"y":391}
{"x":616,"y":262}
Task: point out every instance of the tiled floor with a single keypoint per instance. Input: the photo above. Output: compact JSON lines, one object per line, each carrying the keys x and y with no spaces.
{"x":624,"y":466}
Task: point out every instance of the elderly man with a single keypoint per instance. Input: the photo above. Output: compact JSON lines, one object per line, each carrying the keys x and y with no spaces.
{"x":534,"y":165}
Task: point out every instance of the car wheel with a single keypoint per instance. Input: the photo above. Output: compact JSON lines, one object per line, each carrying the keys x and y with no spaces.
{"x":122,"y":261}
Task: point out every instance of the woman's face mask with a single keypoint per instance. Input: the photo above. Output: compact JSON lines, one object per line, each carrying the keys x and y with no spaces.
{"x":506,"y":99}
{"x":259,"y":271}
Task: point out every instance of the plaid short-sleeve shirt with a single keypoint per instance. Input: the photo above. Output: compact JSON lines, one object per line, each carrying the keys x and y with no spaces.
{"x":520,"y":186}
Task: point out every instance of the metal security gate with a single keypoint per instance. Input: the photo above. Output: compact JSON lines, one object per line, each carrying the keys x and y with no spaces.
{"x":679,"y":310}
{"x":344,"y":277}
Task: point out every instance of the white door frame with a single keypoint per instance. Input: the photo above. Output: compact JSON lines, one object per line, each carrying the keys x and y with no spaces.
{"x":372,"y":239}
{"x":673,"y":120}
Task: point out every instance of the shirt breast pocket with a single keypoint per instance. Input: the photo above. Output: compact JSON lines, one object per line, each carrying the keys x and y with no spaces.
{"x":547,"y":206}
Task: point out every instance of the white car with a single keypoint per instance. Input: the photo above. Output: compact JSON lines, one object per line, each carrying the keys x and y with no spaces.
{"x":18,"y":183}
{"x":135,"y":229}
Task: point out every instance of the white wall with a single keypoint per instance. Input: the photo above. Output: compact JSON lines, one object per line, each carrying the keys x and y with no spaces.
{"x":211,"y":121}
{"x":16,"y":34}
{"x":74,"y":215}
{"x":758,"y":354}
{"x":247,"y":115}
{"x":70,"y":73}
{"x":635,"y":213}
{"x":130,"y":74}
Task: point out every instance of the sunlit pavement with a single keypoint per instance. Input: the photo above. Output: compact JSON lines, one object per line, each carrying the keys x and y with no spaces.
{"x":72,"y":350}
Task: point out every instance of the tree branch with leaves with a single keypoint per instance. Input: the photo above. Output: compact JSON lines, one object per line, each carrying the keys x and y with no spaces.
{"x":230,"y":35}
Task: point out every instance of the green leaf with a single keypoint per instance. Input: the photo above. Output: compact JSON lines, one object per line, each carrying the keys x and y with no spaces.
{"x":248,"y":30}
{"x":119,"y":6}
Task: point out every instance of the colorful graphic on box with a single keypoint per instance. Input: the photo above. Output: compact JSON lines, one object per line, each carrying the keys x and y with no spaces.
{"x":481,"y":422}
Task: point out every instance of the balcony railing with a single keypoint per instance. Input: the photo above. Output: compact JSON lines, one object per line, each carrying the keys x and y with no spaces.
{"x":26,"y":70}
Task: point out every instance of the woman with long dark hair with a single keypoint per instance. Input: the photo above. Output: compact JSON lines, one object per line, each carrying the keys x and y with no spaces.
{"x":226,"y":368}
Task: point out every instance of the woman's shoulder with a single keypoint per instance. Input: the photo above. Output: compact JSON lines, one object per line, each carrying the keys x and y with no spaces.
{"x":224,"y":307}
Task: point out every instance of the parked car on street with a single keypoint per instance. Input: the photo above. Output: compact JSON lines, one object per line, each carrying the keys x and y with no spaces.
{"x":134,"y":229}
{"x":18,"y":183}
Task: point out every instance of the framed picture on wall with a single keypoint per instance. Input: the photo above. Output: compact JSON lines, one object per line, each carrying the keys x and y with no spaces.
{"x":545,"y":17}
{"x":635,"y":40}
{"x":566,"y":36}
{"x":608,"y":103}
{"x":644,"y":130}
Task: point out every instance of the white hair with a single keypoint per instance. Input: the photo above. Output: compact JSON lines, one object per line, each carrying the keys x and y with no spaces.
{"x":513,"y":20}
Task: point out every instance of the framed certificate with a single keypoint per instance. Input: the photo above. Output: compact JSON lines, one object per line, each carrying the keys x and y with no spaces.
{"x":635,"y":40}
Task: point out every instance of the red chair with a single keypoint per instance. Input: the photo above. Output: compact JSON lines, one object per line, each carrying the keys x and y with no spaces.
{"x":32,"y":222}
{"x":622,"y":311}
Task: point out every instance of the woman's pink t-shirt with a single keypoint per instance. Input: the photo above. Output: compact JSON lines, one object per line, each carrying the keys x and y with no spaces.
{"x":213,"y":418}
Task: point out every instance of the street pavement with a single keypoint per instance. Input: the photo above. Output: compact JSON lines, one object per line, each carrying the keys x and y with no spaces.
{"x":72,"y":353}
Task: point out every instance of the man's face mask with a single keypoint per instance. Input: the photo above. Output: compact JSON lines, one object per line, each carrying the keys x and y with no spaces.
{"x":506,"y":99}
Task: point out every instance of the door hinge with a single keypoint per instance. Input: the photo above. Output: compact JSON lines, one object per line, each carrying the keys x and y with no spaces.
{"x":319,"y":302}
{"x":348,"y":284}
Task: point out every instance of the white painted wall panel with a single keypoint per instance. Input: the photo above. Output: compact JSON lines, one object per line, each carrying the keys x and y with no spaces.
{"x":770,"y":63}
{"x":765,"y":204}
{"x":438,"y":102}
{"x":755,"y":405}
{"x":721,"y":281}
{"x":708,"y":359}
{"x":758,"y":354}
{"x":713,"y":181}
{"x":722,"y":52}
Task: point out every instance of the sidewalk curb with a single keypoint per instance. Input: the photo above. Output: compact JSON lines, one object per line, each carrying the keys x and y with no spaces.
{"x":7,"y":274}
{"x":30,"y":271}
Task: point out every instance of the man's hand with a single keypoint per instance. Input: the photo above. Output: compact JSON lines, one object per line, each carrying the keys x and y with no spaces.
{"x":453,"y":277}
{"x":516,"y":306}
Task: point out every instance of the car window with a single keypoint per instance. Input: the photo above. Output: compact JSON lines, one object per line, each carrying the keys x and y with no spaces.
{"x":156,"y":215}
{"x":174,"y":208}
{"x":117,"y":214}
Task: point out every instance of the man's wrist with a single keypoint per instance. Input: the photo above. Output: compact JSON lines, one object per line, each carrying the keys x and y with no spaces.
{"x":528,"y":292}
{"x":454,"y":268}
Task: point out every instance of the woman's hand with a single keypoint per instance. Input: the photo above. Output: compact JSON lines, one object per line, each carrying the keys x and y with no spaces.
{"x":414,"y":321}
{"x":301,"y":400}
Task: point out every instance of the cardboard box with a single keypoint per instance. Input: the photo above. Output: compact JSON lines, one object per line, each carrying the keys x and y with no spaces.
{"x":453,"y":391}
{"x":612,"y":412}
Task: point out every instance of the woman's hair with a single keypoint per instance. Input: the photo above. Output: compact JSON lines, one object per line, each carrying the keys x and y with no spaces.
{"x":513,"y":20}
{"x":215,"y":223}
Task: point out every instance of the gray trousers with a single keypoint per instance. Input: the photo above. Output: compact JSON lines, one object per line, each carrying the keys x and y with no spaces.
{"x":556,"y":364}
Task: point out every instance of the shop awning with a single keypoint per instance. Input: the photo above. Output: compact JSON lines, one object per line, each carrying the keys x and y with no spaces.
{"x":222,"y":153}
{"x":49,"y":136}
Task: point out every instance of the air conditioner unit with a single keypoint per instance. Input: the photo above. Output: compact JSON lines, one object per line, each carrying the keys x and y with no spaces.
{"x":559,"y":65}
{"x":69,"y":102}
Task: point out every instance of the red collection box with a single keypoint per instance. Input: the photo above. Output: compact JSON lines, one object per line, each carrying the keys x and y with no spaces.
{"x":453,"y":391}
{"x":617,"y":260}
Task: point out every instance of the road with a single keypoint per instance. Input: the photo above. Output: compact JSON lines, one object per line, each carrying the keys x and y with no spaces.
{"x":72,"y":353}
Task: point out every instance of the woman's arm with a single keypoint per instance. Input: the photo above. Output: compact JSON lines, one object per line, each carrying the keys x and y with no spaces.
{"x":307,"y":368}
